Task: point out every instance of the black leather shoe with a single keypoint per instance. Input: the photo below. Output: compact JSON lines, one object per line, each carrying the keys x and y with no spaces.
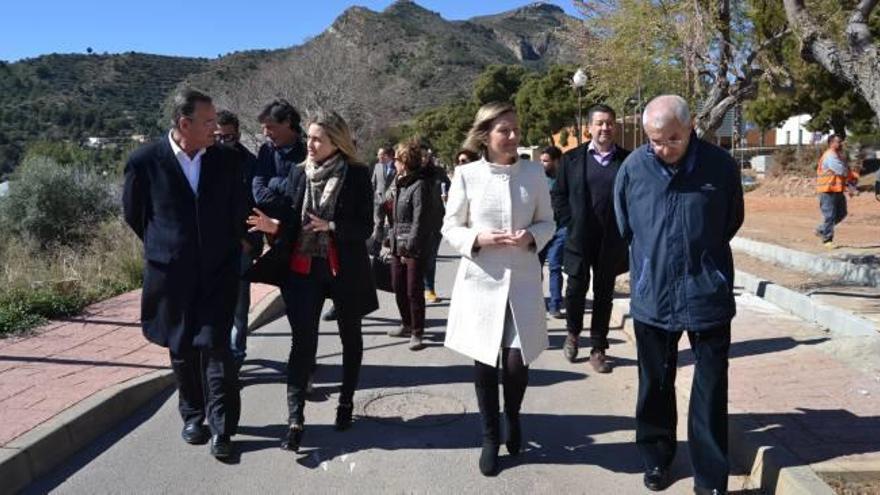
{"x":293,"y":438}
{"x":195,"y":433}
{"x":221,"y":446}
{"x":656,"y":479}
{"x":330,"y":314}
{"x":709,"y":491}
{"x":343,"y":416}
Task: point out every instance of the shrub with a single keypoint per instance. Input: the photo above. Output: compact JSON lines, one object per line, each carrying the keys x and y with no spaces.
{"x":52,"y":204}
{"x":37,"y":284}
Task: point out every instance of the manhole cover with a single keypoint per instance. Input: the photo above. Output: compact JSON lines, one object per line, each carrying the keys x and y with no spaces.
{"x":413,"y":409}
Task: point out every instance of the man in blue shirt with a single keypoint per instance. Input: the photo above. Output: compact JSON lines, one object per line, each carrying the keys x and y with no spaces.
{"x":679,"y":202}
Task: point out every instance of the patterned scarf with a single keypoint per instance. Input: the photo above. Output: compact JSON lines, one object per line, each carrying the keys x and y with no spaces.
{"x":323,"y":184}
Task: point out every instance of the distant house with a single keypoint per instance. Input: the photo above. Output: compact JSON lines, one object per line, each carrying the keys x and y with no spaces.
{"x":97,"y":142}
{"x":4,"y":188}
{"x":139,"y":138}
{"x":793,"y":132}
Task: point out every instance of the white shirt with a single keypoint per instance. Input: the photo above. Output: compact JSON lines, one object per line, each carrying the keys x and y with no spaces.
{"x":191,"y":166}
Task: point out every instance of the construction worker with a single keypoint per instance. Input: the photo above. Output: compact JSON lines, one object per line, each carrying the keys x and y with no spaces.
{"x":833,"y":176}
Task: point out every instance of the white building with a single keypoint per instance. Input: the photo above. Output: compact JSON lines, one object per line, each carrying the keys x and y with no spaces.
{"x":793,"y":132}
{"x":4,"y":188}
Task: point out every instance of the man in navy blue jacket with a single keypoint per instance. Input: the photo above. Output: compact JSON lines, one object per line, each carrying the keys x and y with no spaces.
{"x":185,"y":199}
{"x":281,"y":126}
{"x":679,"y":202}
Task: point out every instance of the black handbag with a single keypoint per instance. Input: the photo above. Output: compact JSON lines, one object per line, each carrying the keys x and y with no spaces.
{"x":270,"y":268}
{"x":380,"y":265}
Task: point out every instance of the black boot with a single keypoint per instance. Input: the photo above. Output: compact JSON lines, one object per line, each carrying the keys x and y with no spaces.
{"x":514,"y":432}
{"x":293,"y":438}
{"x":487,"y":399}
{"x":343,"y":416}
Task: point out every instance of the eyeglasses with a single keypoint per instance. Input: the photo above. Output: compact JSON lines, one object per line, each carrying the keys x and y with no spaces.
{"x":224,"y":138}
{"x":670,"y":143}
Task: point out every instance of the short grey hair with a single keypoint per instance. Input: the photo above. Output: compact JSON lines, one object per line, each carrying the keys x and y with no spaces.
{"x":184,"y":104}
{"x":660,"y":111}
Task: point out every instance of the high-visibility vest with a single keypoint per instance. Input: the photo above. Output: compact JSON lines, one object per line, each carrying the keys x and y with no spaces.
{"x":829,"y":182}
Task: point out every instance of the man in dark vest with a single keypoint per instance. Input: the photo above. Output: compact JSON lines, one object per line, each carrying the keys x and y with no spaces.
{"x":583,"y":202}
{"x":185,"y":200}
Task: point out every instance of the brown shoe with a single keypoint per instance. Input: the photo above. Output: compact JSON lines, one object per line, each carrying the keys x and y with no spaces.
{"x":599,"y":362}
{"x":570,"y":347}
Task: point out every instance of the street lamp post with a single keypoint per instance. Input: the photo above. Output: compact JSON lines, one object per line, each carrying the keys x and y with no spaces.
{"x":578,"y":81}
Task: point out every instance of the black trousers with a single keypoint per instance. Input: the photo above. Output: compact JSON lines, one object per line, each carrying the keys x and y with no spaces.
{"x":603,"y":297}
{"x":208,"y":388}
{"x":656,"y":416}
{"x":304,"y":297}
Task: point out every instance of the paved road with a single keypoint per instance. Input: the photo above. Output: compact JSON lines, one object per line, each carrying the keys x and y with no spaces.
{"x":421,"y":434}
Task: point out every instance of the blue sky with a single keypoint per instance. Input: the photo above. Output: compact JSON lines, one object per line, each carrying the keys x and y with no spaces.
{"x":189,"y":27}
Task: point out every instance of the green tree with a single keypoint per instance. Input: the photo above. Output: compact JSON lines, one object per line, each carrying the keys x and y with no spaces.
{"x":546,"y":104}
{"x":498,"y":83}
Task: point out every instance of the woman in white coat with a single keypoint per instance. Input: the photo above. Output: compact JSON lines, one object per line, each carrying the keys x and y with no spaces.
{"x":498,"y":216}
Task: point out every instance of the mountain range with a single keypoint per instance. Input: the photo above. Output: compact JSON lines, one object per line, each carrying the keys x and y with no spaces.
{"x":377,"y":69}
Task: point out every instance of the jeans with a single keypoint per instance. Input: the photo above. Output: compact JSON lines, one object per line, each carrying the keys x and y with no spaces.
{"x":431,"y":260}
{"x":833,"y":207}
{"x":552,"y":253}
{"x":238,"y":340}
{"x":656,"y":416}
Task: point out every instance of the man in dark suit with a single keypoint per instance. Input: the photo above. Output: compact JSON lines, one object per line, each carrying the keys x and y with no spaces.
{"x":381,"y":179}
{"x":583,"y":202}
{"x":185,"y":199}
{"x":228,"y":135}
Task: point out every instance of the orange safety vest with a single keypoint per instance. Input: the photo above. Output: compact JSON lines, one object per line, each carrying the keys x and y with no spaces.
{"x":828,"y":181}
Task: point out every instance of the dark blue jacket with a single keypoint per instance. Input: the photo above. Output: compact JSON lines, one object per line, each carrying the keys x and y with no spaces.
{"x":270,"y":177}
{"x":679,"y":225}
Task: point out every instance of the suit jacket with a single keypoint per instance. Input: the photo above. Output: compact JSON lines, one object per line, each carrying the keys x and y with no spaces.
{"x":381,"y":182}
{"x":355,"y":288}
{"x":191,"y":244}
{"x":589,"y":237}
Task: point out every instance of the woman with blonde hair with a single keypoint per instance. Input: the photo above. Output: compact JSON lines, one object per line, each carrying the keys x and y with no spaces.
{"x":325,"y":231}
{"x":498,"y":217}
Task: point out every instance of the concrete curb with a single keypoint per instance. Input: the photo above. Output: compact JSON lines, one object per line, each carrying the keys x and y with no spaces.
{"x":812,"y":263}
{"x":836,"y":320}
{"x":771,"y":469}
{"x":38,"y":451}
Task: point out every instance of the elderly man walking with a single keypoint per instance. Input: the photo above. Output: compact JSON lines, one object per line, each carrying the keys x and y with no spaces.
{"x":679,"y":202}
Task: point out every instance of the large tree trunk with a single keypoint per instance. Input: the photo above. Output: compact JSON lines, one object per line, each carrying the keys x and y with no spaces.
{"x":855,"y":62}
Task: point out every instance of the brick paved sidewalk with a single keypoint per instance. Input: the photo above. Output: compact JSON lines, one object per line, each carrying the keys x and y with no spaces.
{"x":70,"y":360}
{"x":791,"y":380}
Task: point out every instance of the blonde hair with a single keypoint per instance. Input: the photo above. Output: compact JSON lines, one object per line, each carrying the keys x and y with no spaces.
{"x":478,"y":135}
{"x":409,"y":154}
{"x":338,"y":132}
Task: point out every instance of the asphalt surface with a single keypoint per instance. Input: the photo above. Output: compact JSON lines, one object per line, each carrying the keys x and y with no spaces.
{"x":416,"y":428}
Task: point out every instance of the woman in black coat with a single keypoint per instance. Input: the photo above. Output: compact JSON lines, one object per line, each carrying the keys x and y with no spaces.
{"x":410,"y":238}
{"x":325,"y":232}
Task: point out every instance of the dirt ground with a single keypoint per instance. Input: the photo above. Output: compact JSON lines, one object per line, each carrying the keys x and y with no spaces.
{"x":791,"y":220}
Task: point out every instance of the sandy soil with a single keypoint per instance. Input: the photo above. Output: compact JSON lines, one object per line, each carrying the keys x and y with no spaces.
{"x":791,"y":221}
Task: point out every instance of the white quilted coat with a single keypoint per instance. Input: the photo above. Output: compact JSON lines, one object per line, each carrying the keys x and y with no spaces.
{"x":485,"y":196}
